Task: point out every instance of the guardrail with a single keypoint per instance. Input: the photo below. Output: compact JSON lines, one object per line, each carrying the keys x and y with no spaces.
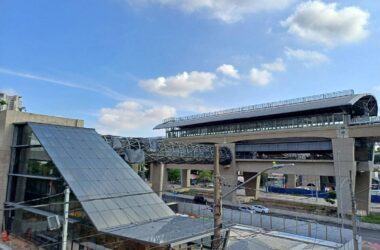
{"x":274,"y":223}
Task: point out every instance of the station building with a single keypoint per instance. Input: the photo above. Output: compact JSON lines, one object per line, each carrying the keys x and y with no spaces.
{"x":329,"y":137}
{"x":110,"y":206}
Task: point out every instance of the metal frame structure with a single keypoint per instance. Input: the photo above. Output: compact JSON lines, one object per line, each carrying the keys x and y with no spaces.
{"x":150,"y":150}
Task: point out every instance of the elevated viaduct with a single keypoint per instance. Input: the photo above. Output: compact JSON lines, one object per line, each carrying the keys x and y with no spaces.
{"x":330,"y":136}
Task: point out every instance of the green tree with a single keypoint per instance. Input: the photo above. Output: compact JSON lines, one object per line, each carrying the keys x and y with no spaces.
{"x":205,"y":175}
{"x":174,"y":175}
{"x":331,"y":197}
{"x":2,"y":102}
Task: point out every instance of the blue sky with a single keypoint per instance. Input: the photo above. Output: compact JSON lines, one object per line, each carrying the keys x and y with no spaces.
{"x":124,"y":65}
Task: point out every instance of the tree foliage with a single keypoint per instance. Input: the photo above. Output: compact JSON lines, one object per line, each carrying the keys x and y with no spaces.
{"x":174,"y":175}
{"x":205,"y":175}
{"x":331,"y":197}
{"x":2,"y":102}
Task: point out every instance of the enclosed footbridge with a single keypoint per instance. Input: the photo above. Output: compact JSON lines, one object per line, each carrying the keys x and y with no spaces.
{"x":152,"y":150}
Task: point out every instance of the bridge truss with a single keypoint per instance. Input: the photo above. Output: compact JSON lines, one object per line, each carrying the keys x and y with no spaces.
{"x":151,"y":150}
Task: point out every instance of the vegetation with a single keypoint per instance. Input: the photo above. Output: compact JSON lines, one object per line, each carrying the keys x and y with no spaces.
{"x":2,"y":102}
{"x":331,"y":197}
{"x":205,"y":175}
{"x":372,"y":218}
{"x":174,"y":175}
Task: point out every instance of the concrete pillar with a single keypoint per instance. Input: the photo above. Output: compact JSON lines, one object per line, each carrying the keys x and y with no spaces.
{"x":363,"y":192}
{"x":185,"y":178}
{"x":229,"y":174}
{"x":252,"y":188}
{"x":311,"y":179}
{"x":291,"y":181}
{"x":158,"y":177}
{"x":344,"y":162}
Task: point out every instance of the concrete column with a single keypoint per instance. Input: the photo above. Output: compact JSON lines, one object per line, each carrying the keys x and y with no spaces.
{"x":252,"y":188}
{"x":344,"y":162}
{"x":291,"y":181}
{"x":363,"y":192}
{"x":229,"y":174}
{"x":311,"y":179}
{"x":158,"y":177}
{"x":185,"y":178}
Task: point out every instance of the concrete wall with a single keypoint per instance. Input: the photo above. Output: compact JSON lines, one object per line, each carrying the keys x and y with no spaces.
{"x":7,"y":118}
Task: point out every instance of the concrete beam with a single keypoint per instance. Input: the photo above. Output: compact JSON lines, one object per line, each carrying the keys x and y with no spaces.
{"x":299,"y":168}
{"x":190,"y":166}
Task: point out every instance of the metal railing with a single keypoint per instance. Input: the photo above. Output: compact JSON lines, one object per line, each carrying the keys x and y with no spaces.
{"x":268,"y":105}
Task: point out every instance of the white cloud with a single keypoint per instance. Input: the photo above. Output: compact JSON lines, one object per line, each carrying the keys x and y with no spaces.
{"x":277,"y":65}
{"x":180,"y":85}
{"x":131,"y":118}
{"x":264,"y":74}
{"x":260,"y":77}
{"x":228,"y":70}
{"x":323,"y":23}
{"x":228,"y":11}
{"x":98,"y":89}
{"x":307,"y":57}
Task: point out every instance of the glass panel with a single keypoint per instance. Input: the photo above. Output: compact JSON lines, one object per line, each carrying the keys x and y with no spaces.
{"x":93,"y":170}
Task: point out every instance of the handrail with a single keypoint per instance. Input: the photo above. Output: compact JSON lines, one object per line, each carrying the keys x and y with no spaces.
{"x":268,"y":105}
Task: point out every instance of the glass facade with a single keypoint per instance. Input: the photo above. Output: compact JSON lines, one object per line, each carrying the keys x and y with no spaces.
{"x":258,"y":125}
{"x":33,"y":177}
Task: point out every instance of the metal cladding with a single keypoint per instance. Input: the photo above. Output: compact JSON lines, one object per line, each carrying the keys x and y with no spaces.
{"x":347,"y":101}
{"x":149,"y":150}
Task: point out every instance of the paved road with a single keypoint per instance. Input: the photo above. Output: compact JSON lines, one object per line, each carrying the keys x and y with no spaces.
{"x":367,"y":234}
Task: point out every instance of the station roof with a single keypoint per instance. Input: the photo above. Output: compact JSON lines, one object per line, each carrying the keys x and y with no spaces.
{"x":110,"y":192}
{"x":346,"y":98}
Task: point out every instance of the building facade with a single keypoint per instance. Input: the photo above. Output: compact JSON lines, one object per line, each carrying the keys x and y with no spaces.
{"x":110,"y":206}
{"x":12,"y":102}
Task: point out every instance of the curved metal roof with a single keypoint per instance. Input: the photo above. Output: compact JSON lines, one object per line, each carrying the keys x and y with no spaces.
{"x":324,"y":101}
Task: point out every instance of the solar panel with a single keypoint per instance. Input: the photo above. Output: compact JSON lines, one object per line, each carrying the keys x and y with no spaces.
{"x":111,"y":193}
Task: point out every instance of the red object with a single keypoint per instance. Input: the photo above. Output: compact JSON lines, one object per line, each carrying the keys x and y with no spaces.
{"x":4,"y":236}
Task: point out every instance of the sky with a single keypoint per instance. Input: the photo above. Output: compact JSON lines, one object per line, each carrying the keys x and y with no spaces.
{"x":125,"y":65}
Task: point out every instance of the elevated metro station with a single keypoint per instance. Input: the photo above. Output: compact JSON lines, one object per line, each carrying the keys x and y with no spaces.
{"x":329,"y":136}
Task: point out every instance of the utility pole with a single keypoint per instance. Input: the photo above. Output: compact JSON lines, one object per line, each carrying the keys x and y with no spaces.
{"x":65,"y":217}
{"x":217,"y":241}
{"x":353,"y":206}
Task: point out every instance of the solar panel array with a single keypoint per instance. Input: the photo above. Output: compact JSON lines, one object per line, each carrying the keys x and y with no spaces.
{"x":111,"y":193}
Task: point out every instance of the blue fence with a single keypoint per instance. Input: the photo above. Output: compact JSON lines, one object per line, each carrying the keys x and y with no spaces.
{"x":297,"y":191}
{"x":310,"y":193}
{"x":375,"y":198}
